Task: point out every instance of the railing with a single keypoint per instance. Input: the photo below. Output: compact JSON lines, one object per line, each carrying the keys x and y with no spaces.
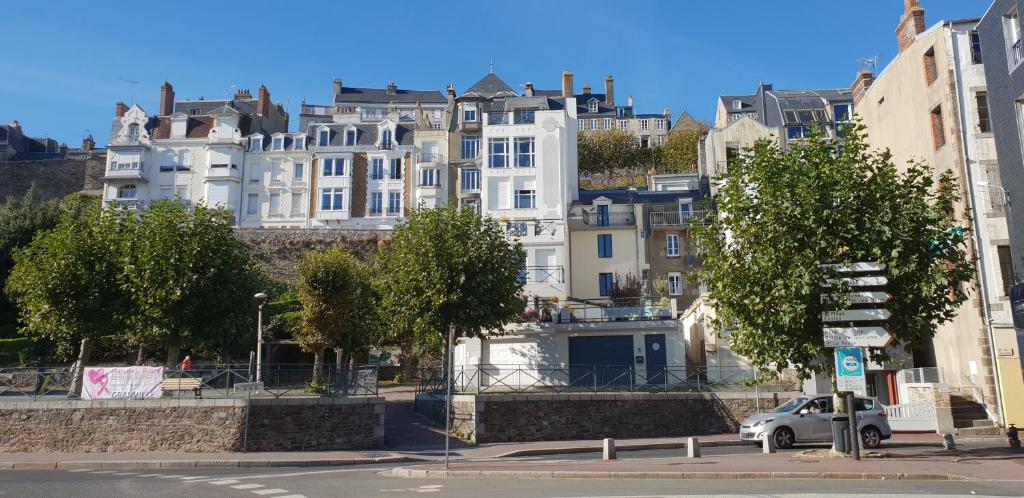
{"x":681,"y":218}
{"x":126,"y":203}
{"x":522,"y":228}
{"x":918,"y":416}
{"x":126,"y":166}
{"x":1018,"y":50}
{"x":279,"y":380}
{"x":595,"y":219}
{"x":386,"y":146}
{"x":632,"y":310}
{"x":542,"y":274}
{"x":502,"y":379}
{"x":429,"y":157}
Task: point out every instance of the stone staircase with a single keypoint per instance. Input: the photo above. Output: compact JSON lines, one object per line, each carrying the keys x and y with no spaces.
{"x":971,"y":419}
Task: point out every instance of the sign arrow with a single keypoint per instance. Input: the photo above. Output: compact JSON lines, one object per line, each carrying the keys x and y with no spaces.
{"x":865,"y":337}
{"x":859,"y":281}
{"x":858,"y":297}
{"x":857,"y":267}
{"x":869,"y":315}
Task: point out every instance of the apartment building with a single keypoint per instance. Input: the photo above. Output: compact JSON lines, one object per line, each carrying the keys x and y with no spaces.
{"x":598,"y":112}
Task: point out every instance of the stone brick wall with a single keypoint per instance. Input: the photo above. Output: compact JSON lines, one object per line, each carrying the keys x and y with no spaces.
{"x":547,"y":417}
{"x":208,"y":425}
{"x":283,"y":249}
{"x":54,"y":178}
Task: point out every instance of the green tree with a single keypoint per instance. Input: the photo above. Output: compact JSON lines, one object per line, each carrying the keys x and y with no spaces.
{"x":20,"y":219}
{"x":785,"y":213}
{"x":338,"y":305}
{"x":448,"y":266}
{"x":682,"y":147}
{"x":190,"y":279}
{"x":66,"y":282}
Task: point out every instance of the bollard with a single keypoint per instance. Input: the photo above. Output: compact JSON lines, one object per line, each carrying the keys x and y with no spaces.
{"x":948,"y":443}
{"x":767,"y":444}
{"x":692,"y":447}
{"x":609,"y":449}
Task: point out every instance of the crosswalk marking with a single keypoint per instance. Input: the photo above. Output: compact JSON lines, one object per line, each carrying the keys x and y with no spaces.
{"x":274,"y":491}
{"x":193,"y":478}
{"x":171,"y":476}
{"x":103,"y":472}
{"x":291,"y":496}
{"x":125,"y":473}
{"x":150,"y":475}
{"x":247,"y":486}
{"x":224,"y":481}
{"x":80,"y":470}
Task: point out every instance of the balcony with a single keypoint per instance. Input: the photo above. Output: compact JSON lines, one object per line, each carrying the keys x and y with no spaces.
{"x":601,"y":220}
{"x":125,"y":171}
{"x":681,"y":218}
{"x":537,"y":228}
{"x":386,"y":146}
{"x":430,"y":157}
{"x":542,"y":275}
{"x":126,"y":204}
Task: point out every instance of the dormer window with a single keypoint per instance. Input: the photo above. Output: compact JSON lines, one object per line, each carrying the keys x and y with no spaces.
{"x":299,"y":143}
{"x":385,"y":139}
{"x":194,"y":112}
{"x":277,"y":143}
{"x":324,"y":138}
{"x":737,"y":105}
{"x":255,"y":144}
{"x":133,"y":133}
{"x":592,"y":105}
{"x":468,"y":112}
{"x":350,"y":137}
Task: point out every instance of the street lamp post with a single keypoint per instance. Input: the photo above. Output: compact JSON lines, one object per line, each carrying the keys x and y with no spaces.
{"x":262,"y":298}
{"x":448,"y":397}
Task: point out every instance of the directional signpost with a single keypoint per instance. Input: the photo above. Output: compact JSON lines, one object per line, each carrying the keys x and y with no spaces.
{"x":860,"y":337}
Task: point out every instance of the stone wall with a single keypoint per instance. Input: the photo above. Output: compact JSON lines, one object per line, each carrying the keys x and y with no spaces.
{"x":203,"y":425}
{"x":54,"y":178}
{"x":548,"y":417}
{"x":283,"y":249}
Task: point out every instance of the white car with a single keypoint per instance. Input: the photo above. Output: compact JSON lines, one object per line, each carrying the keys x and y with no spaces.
{"x":808,"y":419}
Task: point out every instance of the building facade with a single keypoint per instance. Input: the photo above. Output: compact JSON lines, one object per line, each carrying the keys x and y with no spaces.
{"x":598,"y":112}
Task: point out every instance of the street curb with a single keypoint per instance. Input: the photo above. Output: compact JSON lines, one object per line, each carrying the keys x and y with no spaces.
{"x":514,"y":474}
{"x":618,"y":447}
{"x":199,"y":464}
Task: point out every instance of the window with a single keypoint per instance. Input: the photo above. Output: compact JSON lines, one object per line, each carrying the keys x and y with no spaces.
{"x":685,"y":210}
{"x":470,"y":179}
{"x":975,"y":47}
{"x":325,"y":138}
{"x":604,"y":245}
{"x":525,"y":199}
{"x":376,"y":202}
{"x":385,"y":139}
{"x":623,"y":124}
{"x":841,"y":114}
{"x":276,"y":172}
{"x":299,"y":143}
{"x":592,"y":105}
{"x":497,"y":152}
{"x":938,"y":128}
{"x":660,"y":123}
{"x":469,"y":112}
{"x":524,"y":152}
{"x":298,"y":170}
{"x":277,"y":143}
{"x":675,"y":284}
{"x":255,"y":144}
{"x":525,"y":116}
{"x":497,"y":118}
{"x":607,"y":123}
{"x":377,"y":169}
{"x":984,"y":124}
{"x":797,"y":132}
{"x":604,"y":284}
{"x":395,"y":172}
{"x":581,"y":124}
{"x":394,"y":202}
{"x":931,"y":71}
{"x":602,"y":215}
{"x":427,"y":177}
{"x":645,"y":142}
{"x":133,"y":133}
{"x":126,"y":192}
{"x":470,"y":146}
{"x":593,"y":124}
{"x":737,"y":105}
{"x":166,"y":192}
{"x":331,"y":199}
{"x":252,"y":205}
{"x":1011,"y":31}
{"x":1006,"y":268}
{"x":350,"y":137}
{"x":473,"y":204}
{"x":296,"y":203}
{"x":332,"y":167}
{"x":644,"y":125}
{"x":672,"y":242}
{"x":275,"y":204}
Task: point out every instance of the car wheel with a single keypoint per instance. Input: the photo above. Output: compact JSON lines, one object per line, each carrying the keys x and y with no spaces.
{"x":871,"y":437}
{"x":784,"y":438}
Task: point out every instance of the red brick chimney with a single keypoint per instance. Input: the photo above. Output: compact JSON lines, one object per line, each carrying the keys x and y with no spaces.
{"x":609,"y":90}
{"x":166,"y":99}
{"x":263,"y":101}
{"x":122,"y":109}
{"x":567,"y":88}
{"x":861,"y":84}
{"x":911,"y":24}
{"x":586,"y":88}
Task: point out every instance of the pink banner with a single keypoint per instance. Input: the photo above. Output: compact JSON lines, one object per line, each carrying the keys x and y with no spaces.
{"x":122,"y":382}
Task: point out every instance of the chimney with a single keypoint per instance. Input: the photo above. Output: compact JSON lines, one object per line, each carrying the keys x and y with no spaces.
{"x":88,"y":143}
{"x":609,"y":90}
{"x":861,"y":84}
{"x":263,"y":101}
{"x":337,"y":86}
{"x":122,"y":109}
{"x":243,"y":95}
{"x":567,"y":89}
{"x":629,"y":101}
{"x":451,"y":91}
{"x":166,"y":99}
{"x":586,"y":88}
{"x":63,"y":149}
{"x":667,"y":113}
{"x":392,"y":88}
{"x":529,"y":89}
{"x":17,"y":126}
{"x":911,"y":24}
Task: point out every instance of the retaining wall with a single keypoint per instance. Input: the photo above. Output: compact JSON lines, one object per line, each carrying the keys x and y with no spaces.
{"x":201,"y":425}
{"x":550,"y":417}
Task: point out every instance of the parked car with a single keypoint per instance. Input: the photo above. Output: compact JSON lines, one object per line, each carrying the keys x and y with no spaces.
{"x":808,"y":419}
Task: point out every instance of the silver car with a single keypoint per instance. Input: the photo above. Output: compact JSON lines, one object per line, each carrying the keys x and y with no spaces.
{"x":808,"y":419}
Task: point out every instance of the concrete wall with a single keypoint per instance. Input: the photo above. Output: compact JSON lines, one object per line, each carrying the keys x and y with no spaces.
{"x":549,"y":417}
{"x":203,"y":425}
{"x":54,"y":178}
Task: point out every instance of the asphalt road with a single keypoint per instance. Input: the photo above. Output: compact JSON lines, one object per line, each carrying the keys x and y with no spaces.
{"x":367,"y":481}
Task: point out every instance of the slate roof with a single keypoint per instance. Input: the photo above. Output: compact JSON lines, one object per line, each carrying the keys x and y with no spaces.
{"x":490,"y":86}
{"x":289,"y":139}
{"x":771,"y":105}
{"x":197,"y":126}
{"x":366,"y":134}
{"x":381,"y":96}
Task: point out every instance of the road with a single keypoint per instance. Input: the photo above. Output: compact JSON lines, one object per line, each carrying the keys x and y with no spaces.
{"x":369,"y":481}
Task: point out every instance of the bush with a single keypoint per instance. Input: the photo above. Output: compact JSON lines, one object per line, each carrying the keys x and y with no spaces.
{"x":11,"y":349}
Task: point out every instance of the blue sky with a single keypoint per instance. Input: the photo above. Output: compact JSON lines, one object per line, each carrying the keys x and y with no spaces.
{"x":68,"y":60}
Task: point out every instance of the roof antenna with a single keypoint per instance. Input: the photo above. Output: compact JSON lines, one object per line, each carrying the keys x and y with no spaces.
{"x":131,"y":89}
{"x":869,"y":64}
{"x":231,"y":91}
{"x":492,"y":67}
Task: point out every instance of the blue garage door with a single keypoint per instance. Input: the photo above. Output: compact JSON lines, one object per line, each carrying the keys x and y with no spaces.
{"x":604,"y":362}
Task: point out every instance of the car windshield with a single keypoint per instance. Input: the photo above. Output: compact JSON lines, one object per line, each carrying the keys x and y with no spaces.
{"x":791,"y":405}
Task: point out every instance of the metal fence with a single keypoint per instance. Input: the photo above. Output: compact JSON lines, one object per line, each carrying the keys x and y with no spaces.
{"x":503,"y":379}
{"x":279,"y":380}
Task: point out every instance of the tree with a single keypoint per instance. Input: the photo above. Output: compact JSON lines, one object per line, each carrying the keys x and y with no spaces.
{"x":338,"y":305}
{"x":191,"y":281}
{"x":785,"y":213}
{"x":66,"y":282}
{"x":627,"y":290}
{"x":448,"y":266}
{"x":20,"y":220}
{"x":682,"y":147}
